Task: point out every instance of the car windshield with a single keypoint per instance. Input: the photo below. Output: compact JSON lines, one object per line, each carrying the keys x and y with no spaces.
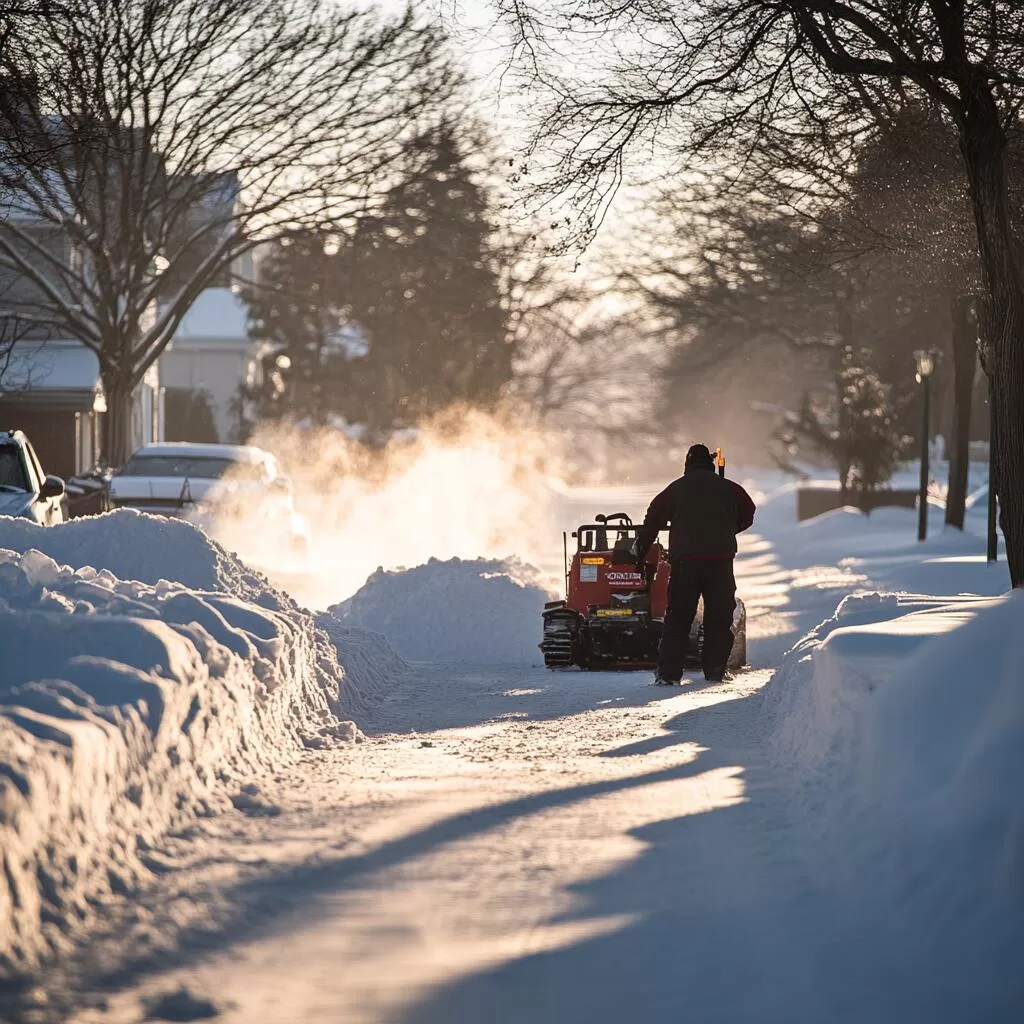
{"x":12,"y":469}
{"x":196,"y":467}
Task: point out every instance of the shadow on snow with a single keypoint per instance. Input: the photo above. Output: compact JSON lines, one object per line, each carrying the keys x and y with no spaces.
{"x":727,"y":921}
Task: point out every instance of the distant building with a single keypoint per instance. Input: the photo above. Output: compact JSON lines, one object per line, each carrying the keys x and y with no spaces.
{"x":50,"y":385}
{"x":52,"y":390}
{"x":211,"y":355}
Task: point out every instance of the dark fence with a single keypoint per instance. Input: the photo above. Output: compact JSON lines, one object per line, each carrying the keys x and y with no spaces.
{"x":813,"y":501}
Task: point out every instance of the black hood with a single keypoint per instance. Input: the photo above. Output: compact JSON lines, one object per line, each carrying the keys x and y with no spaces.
{"x":699,"y":457}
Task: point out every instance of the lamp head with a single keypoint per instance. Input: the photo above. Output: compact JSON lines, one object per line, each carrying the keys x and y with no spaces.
{"x":925,"y":364}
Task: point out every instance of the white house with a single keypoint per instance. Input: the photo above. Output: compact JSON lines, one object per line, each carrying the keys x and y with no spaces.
{"x":50,"y":386}
{"x":211,"y":352}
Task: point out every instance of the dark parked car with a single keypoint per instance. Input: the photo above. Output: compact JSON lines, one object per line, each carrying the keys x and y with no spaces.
{"x":25,"y":490}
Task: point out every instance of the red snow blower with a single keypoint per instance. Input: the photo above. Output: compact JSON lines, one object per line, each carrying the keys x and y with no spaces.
{"x":613,"y":611}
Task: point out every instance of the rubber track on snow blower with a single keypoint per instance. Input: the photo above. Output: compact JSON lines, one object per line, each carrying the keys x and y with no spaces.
{"x":558,"y":645}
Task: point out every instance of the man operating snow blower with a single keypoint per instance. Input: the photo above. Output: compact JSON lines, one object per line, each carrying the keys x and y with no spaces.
{"x":706,"y":512}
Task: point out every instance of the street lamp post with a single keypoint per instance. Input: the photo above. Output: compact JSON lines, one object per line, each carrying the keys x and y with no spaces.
{"x":925,"y":368}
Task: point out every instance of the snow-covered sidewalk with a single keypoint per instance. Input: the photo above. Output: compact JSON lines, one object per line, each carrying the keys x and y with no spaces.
{"x":503,"y":861}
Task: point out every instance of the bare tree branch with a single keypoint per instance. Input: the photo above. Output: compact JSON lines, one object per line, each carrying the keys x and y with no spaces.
{"x":725,"y":82}
{"x":146,"y":145}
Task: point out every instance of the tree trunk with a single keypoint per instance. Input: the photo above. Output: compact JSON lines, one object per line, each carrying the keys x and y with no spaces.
{"x":964,"y":339}
{"x":117,"y":430}
{"x":983,"y":144}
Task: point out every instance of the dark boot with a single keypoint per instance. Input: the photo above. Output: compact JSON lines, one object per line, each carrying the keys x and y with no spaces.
{"x":717,"y":675}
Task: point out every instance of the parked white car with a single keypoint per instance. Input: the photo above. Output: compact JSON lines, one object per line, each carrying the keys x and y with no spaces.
{"x":26,"y":492}
{"x":214,"y":485}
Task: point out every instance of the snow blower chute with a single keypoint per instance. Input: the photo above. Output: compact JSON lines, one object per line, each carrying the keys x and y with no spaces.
{"x":613,"y":611}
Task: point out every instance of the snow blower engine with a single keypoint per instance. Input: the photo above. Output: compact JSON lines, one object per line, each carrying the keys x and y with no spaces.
{"x":613,"y":612}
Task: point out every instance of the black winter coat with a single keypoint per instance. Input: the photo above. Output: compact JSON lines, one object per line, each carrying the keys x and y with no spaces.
{"x":706,"y":512}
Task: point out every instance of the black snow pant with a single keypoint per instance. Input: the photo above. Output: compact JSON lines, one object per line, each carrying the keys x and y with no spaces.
{"x":691,"y":579}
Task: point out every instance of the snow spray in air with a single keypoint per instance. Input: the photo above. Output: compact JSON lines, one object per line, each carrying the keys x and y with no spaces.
{"x":463,"y":485}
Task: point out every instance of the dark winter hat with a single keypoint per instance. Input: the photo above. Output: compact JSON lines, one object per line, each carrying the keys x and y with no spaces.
{"x":699,"y":456}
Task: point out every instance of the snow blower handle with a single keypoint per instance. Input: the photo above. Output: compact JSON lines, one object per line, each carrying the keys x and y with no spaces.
{"x":641,"y":567}
{"x":720,"y":461}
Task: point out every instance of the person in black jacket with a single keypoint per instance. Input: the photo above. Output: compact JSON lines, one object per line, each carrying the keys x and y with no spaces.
{"x":706,"y":513}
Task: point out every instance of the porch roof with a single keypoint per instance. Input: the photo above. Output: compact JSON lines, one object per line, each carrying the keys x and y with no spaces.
{"x":54,"y":374}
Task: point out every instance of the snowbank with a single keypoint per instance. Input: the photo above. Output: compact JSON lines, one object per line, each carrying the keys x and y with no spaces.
{"x":480,"y":611}
{"x":776,"y":498}
{"x":135,"y":546}
{"x":901,"y":719}
{"x":882,"y":548}
{"x":372,"y":668}
{"x":130,"y":705}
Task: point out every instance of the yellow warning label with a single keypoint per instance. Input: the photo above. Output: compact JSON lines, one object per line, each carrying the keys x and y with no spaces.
{"x":602,"y":612}
{"x":593,"y":561}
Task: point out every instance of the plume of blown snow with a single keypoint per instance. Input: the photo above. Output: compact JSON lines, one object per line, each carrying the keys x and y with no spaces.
{"x":464,"y":485}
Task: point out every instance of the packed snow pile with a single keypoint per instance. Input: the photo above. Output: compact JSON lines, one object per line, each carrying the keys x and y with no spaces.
{"x":480,"y":611}
{"x":372,"y":667}
{"x":826,"y":680}
{"x":136,"y":546}
{"x":129,"y":706}
{"x":902,"y":720}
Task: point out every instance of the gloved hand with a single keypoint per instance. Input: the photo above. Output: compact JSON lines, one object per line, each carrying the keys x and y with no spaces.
{"x":639,"y":559}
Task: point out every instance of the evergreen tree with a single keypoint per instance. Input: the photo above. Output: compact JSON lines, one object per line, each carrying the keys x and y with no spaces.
{"x":188,"y":416}
{"x":292,"y":312}
{"x":421,"y":280}
{"x":857,"y":430}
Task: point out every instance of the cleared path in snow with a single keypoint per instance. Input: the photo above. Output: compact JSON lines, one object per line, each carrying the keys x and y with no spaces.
{"x":595,"y":849}
{"x":519,"y":846}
